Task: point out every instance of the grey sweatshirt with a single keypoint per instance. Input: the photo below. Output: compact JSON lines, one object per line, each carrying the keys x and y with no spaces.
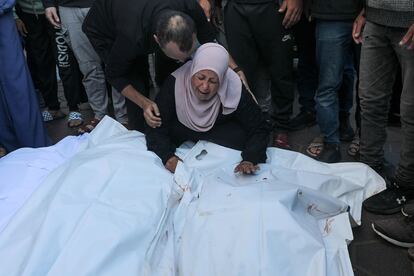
{"x":392,"y":13}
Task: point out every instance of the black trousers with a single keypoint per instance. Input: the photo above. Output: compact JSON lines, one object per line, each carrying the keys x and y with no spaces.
{"x":307,"y":81}
{"x":47,"y":48}
{"x":253,"y":32}
{"x":41,"y":60}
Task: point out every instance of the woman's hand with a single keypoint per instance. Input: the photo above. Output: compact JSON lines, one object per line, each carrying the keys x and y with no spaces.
{"x":246,"y":167}
{"x":171,"y":164}
{"x":151,"y":113}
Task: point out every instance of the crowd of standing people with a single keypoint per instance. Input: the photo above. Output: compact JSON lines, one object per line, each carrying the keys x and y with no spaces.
{"x":348,"y":51}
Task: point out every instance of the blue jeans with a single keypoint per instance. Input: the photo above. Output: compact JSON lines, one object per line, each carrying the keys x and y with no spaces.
{"x":333,"y":55}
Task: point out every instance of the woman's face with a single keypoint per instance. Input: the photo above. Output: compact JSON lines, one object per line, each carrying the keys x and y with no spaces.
{"x":205,"y":83}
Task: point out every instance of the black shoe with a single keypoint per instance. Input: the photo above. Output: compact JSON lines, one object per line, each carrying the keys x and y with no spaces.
{"x":346,"y":132}
{"x":398,"y":231}
{"x":389,"y":201}
{"x":302,"y":120}
{"x":330,"y":153}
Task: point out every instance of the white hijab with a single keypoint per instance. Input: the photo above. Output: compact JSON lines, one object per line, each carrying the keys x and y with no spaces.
{"x":201,"y":115}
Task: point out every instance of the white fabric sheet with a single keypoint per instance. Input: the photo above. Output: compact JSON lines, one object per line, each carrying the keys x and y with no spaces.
{"x":110,"y":208}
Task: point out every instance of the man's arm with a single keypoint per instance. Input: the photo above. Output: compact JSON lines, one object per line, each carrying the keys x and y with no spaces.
{"x":120,"y":60}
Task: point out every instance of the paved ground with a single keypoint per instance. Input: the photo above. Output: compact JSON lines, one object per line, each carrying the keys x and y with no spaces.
{"x":370,"y":255}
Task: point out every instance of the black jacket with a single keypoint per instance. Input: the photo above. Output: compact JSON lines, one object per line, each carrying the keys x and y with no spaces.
{"x":245,"y":129}
{"x":336,"y":9}
{"x":121,"y":31}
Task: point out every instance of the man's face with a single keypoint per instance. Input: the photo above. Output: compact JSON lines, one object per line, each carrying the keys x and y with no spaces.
{"x":172,"y":50}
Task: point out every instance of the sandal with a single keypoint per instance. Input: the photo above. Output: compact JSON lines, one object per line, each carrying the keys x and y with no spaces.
{"x":3,"y":152}
{"x":315,"y":147}
{"x":353,"y":148}
{"x":74,"y":119}
{"x":50,"y":115}
{"x":89,"y":126}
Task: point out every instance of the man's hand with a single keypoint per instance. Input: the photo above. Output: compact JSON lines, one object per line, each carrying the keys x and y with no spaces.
{"x":293,"y":9}
{"x":52,"y":16}
{"x":206,"y":6}
{"x":171,"y":164}
{"x":21,"y":27}
{"x":151,"y":113}
{"x":408,"y":39}
{"x":358,"y":27}
{"x":246,"y":167}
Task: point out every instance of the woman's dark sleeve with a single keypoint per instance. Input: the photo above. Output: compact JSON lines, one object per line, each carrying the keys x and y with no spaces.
{"x":257,"y":129}
{"x":158,"y":139}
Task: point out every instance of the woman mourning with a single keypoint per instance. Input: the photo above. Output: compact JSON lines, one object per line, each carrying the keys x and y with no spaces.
{"x":205,"y":100}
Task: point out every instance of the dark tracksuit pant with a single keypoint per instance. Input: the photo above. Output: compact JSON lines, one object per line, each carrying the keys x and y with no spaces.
{"x":253,"y":32}
{"x":69,"y":71}
{"x":46,"y":47}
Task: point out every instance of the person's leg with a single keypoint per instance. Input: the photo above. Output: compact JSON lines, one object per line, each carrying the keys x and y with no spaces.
{"x":89,"y":62}
{"x":346,"y":99}
{"x":120,"y":109}
{"x":307,"y":81}
{"x":405,"y":170}
{"x":265,"y":32}
{"x":262,"y":89}
{"x":275,"y":45}
{"x":354,"y":146}
{"x":39,"y":46}
{"x":398,"y":231}
{"x":70,"y":75}
{"x":333,"y":42}
{"x":307,"y":69}
{"x":68,"y":69}
{"x":379,"y":62}
{"x":20,"y":119}
{"x":240,"y":41}
{"x":377,"y":75}
{"x":394,"y":118}
{"x":357,"y":58}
